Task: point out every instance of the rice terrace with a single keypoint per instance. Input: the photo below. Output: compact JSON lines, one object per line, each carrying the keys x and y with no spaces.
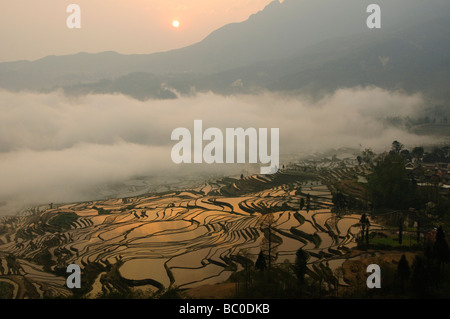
{"x":184,"y":239}
{"x":309,"y":230}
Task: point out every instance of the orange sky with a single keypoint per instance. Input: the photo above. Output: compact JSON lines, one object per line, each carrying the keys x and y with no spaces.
{"x":31,"y":29}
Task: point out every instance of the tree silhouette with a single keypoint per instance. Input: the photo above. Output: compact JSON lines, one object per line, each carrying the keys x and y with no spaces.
{"x":261,"y":262}
{"x":339,"y":201}
{"x":368,"y":155}
{"x":359,"y":159}
{"x":270,"y":239}
{"x":397,"y":147}
{"x":364,"y":221}
{"x":440,"y":249}
{"x":419,"y":277}
{"x":367,"y":231}
{"x":301,"y":259}
{"x":406,"y":155}
{"x":417,"y":153}
{"x":403,"y":271}
{"x":245,"y":259}
{"x":308,"y":202}
{"x":389,"y":186}
{"x":302,"y":203}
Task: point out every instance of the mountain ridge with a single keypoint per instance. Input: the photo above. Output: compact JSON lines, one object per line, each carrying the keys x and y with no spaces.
{"x":286,"y":46}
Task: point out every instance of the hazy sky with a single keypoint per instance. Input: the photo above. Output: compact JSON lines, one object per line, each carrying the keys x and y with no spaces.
{"x":31,"y":29}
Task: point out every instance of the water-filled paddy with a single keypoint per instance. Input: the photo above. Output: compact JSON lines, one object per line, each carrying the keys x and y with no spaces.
{"x":141,"y":269}
{"x":190,"y":237}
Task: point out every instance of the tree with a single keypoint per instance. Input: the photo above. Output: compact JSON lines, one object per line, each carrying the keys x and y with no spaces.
{"x":338,"y":274}
{"x":389,"y":185}
{"x":419,"y":277}
{"x":365,"y":224}
{"x":417,"y":153}
{"x":339,"y":201}
{"x":359,"y":159}
{"x":301,"y":260}
{"x":308,"y":203}
{"x":368,"y":155}
{"x":440,"y":249}
{"x":436,"y":155}
{"x":367,"y":231}
{"x":403,"y":271}
{"x":245,"y":259}
{"x":406,"y":155}
{"x":397,"y":147}
{"x":270,"y":240}
{"x":302,"y":203}
{"x":261,"y":262}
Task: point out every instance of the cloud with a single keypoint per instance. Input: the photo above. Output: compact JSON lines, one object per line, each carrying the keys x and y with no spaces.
{"x":58,"y":149}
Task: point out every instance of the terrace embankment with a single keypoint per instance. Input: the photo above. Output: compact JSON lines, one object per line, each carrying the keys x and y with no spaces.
{"x":185,"y":239}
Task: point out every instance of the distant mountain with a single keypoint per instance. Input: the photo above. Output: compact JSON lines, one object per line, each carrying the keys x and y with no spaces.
{"x":294,"y":45}
{"x":53,"y":71}
{"x":414,"y":59}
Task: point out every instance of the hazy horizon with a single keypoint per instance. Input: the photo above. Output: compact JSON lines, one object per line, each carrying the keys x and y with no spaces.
{"x":35,"y":29}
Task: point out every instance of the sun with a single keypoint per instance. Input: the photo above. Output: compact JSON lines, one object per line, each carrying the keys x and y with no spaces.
{"x":175,"y":23}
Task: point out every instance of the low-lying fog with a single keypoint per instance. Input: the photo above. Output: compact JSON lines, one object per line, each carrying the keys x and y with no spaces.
{"x":58,"y":149}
